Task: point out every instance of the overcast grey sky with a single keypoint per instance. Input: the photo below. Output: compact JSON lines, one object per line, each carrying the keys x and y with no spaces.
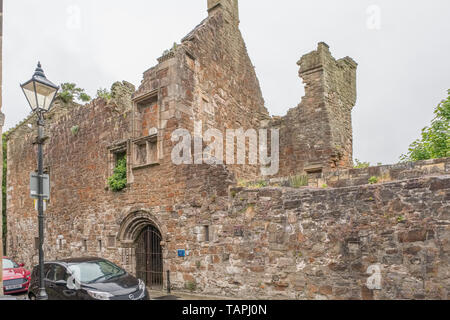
{"x":402,"y":48}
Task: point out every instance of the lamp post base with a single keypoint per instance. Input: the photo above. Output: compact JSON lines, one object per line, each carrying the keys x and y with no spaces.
{"x":42,"y":295}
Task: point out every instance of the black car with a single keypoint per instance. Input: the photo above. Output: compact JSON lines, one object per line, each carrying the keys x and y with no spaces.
{"x":87,"y":279}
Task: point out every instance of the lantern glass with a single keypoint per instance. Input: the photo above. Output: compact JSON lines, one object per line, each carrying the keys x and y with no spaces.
{"x":40,"y":92}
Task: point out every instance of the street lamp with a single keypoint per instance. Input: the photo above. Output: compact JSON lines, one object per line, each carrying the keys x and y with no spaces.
{"x":40,"y":94}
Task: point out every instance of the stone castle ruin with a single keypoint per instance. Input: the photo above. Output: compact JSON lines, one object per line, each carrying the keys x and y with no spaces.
{"x":334,"y":237}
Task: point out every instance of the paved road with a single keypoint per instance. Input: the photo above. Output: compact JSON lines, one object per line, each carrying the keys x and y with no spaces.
{"x":155,"y":295}
{"x":21,"y":296}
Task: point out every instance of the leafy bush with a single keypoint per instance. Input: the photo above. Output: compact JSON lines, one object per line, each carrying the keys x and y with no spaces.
{"x":298,"y":181}
{"x":191,"y":286}
{"x":361,"y":165}
{"x":373,"y":180}
{"x":118,"y":181}
{"x":252,"y":184}
{"x":69,"y":92}
{"x":435,"y":141}
{"x":258,"y":184}
{"x":75,"y":130}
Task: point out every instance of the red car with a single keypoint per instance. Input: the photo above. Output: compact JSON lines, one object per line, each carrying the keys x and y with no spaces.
{"x":16,"y":278}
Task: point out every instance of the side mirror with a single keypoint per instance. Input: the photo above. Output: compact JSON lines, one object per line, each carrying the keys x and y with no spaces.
{"x":21,"y":265}
{"x":61,"y":283}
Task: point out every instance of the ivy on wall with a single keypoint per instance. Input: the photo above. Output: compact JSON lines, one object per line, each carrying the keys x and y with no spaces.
{"x":118,"y":181}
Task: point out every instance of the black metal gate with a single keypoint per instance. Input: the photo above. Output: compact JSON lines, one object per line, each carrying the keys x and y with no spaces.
{"x":149,"y":264}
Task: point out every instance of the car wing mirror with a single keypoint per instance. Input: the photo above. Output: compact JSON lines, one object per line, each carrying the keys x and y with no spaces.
{"x":21,"y":265}
{"x":61,"y":283}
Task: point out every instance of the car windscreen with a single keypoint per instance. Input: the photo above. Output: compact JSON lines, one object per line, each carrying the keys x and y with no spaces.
{"x":95,"y":271}
{"x":9,"y":264}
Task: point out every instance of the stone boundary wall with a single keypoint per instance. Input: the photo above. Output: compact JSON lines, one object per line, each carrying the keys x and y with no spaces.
{"x":324,"y":244}
{"x":385,"y":173}
{"x":358,"y":177}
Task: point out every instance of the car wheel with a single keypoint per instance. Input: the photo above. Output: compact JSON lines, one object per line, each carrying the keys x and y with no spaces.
{"x":32,"y":296}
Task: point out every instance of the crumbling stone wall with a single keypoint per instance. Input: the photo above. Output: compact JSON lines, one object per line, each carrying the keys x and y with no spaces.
{"x":323,"y":244}
{"x":233,"y":100}
{"x":273,"y":242}
{"x":317,"y":134}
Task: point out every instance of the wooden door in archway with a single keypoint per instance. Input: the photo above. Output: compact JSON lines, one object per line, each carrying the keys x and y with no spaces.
{"x":149,"y":262}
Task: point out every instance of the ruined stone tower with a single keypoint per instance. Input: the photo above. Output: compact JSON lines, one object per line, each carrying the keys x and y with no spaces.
{"x":316,"y":136}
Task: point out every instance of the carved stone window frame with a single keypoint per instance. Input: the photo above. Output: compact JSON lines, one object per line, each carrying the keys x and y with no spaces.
{"x":148,"y":141}
{"x":139,"y":103}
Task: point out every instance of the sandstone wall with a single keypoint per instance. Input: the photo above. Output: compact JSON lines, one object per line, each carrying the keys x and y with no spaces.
{"x":363,"y":176}
{"x":320,"y":244}
{"x":274,"y":242}
{"x":317,"y":134}
{"x":225,"y":90}
{"x":2,"y":117}
{"x":83,"y":216}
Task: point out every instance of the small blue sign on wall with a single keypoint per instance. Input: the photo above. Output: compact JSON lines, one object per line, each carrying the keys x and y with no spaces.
{"x":182,"y":253}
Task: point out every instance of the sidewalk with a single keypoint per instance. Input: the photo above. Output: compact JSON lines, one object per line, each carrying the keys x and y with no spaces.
{"x":177,"y":295}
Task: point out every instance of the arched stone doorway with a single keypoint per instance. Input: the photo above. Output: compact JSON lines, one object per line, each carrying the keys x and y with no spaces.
{"x":141,"y":239}
{"x":148,"y":253}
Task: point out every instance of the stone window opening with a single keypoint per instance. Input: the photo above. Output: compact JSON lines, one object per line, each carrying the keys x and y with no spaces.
{"x":116,"y":153}
{"x":119,"y":155}
{"x":36,"y":243}
{"x":146,"y":151}
{"x":118,"y":168}
{"x":116,"y":156}
{"x":60,"y":243}
{"x":99,"y":245}
{"x":147,"y":115}
{"x":206,"y":230}
{"x":85,"y":245}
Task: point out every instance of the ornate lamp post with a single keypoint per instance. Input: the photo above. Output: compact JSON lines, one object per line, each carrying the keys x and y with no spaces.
{"x":40,"y":94}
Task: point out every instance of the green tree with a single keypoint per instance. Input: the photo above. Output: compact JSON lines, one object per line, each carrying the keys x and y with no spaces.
{"x":70,"y":91}
{"x":118,"y":181}
{"x":104,"y":94}
{"x":435,"y":141}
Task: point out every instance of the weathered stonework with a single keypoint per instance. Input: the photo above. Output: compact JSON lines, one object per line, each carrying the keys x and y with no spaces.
{"x":319,"y":244}
{"x":2,"y":119}
{"x":274,"y":242}
{"x":317,"y":135}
